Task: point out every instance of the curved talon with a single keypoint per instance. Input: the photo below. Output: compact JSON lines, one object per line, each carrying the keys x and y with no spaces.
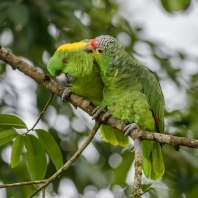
{"x":66,"y":95}
{"x":106,"y":116}
{"x":96,"y":112}
{"x":129,"y":128}
{"x":98,"y":108}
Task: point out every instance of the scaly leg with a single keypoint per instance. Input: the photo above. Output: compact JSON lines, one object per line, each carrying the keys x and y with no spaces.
{"x":129,"y":128}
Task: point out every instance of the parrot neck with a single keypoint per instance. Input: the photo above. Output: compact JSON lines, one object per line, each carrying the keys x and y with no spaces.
{"x":120,"y":73}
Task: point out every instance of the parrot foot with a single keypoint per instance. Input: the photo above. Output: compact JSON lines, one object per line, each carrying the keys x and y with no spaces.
{"x":96,"y":112}
{"x":106,"y":116}
{"x":66,"y":95}
{"x":129,"y":128}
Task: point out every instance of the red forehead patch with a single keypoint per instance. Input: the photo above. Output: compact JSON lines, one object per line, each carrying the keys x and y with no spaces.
{"x":93,"y":43}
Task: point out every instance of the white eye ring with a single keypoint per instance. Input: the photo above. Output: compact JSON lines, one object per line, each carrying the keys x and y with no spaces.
{"x":100,"y":51}
{"x":65,"y":62}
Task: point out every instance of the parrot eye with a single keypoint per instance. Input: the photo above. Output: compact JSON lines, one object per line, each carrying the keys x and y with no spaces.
{"x":65,"y":62}
{"x":100,"y":51}
{"x":58,"y":72}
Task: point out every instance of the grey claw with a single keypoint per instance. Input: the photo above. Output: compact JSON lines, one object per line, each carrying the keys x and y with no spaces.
{"x":66,"y":95}
{"x":129,"y":128}
{"x":106,"y":116}
{"x":96,"y":112}
{"x":96,"y":109}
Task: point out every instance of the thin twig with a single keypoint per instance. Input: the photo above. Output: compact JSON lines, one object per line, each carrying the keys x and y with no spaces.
{"x":138,"y":169}
{"x":42,"y":112}
{"x":145,"y":191}
{"x":70,"y":161}
{"x":22,"y":183}
{"x":43,"y":193}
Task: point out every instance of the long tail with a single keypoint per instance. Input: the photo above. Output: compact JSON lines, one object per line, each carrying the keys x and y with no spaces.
{"x":113,"y":136}
{"x":152,"y":160}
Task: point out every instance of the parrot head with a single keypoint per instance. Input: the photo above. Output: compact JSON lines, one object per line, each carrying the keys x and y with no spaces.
{"x":105,"y":49}
{"x":77,"y":70}
{"x":67,"y":63}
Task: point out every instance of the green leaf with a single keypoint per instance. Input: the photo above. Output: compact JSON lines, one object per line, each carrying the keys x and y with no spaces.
{"x":145,"y":187}
{"x":8,"y":120}
{"x":17,"y":148}
{"x":51,"y":147}
{"x":35,"y":158}
{"x":6,"y":135}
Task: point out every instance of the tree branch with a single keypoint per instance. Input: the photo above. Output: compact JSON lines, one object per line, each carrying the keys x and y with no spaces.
{"x":68,"y":163}
{"x":88,"y":107}
{"x":174,"y":141}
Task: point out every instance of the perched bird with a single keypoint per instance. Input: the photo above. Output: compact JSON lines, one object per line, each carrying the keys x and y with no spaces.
{"x":76,"y":70}
{"x":133,"y":94}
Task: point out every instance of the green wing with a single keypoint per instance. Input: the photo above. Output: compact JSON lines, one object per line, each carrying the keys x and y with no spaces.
{"x":153,"y":165}
{"x":152,"y":89}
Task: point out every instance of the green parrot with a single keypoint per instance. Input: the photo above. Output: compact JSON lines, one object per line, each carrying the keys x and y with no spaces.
{"x":133,"y":94}
{"x":77,"y":70}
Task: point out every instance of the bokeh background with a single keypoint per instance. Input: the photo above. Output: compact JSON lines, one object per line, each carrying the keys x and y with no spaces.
{"x":160,"y":34}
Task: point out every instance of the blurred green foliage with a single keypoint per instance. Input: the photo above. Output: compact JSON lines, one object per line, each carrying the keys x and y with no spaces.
{"x":175,"y":5}
{"x":33,"y":30}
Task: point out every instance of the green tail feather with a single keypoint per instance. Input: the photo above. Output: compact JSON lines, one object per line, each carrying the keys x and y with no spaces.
{"x":113,"y":136}
{"x":152,"y":161}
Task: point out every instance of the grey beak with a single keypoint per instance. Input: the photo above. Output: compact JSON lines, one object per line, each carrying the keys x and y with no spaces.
{"x":64,"y":79}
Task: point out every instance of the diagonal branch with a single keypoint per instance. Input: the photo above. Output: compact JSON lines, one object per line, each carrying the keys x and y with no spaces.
{"x":88,"y":107}
{"x":68,"y":163}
